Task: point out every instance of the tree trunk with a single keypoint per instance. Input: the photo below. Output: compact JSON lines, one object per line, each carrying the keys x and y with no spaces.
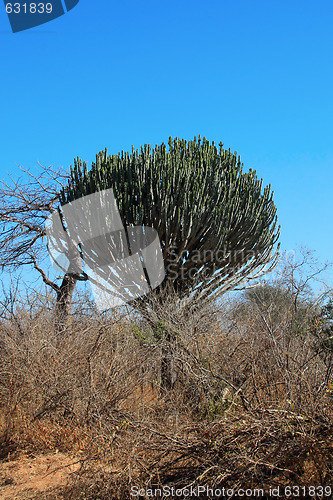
{"x":64,"y":302}
{"x":168,"y":363}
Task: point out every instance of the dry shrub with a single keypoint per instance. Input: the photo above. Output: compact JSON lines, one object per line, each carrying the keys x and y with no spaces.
{"x":251,"y":407}
{"x":53,"y":384}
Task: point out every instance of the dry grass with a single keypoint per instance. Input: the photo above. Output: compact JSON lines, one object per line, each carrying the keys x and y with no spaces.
{"x":252,"y":406}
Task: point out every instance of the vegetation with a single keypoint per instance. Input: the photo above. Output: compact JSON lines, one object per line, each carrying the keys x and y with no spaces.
{"x":216,"y":226}
{"x":25,"y":205}
{"x":251,"y":376}
{"x":252,"y":406}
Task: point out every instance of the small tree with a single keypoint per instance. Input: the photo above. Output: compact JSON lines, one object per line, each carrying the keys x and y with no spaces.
{"x":216,"y":226}
{"x":25,"y":205}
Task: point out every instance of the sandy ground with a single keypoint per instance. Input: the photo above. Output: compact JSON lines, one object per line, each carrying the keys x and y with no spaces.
{"x":35,"y":477}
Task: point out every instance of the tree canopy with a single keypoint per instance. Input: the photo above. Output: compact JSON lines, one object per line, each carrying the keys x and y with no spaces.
{"x":216,"y":224}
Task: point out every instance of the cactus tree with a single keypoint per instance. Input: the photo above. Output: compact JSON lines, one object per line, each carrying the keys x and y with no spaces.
{"x":216,"y":225}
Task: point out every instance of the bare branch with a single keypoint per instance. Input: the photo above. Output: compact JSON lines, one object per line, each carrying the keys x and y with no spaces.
{"x":46,"y":280}
{"x":25,"y":205}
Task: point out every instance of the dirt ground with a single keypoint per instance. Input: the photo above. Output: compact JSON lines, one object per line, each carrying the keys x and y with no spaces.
{"x":36,"y":476}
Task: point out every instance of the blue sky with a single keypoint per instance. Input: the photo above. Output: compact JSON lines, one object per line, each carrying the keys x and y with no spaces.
{"x":257,"y":75}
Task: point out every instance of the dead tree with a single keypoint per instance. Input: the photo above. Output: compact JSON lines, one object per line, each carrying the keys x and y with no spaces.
{"x":25,"y":205}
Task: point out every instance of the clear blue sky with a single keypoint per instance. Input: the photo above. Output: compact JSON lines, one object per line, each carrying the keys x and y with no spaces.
{"x":257,"y":75}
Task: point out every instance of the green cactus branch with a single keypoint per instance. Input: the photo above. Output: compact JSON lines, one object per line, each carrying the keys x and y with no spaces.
{"x":217,"y":226}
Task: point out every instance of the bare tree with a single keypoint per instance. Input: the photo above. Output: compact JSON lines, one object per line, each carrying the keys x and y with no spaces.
{"x":25,"y":205}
